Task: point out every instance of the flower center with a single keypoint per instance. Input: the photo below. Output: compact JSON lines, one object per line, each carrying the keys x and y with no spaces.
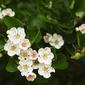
{"x":24,"y":54}
{"x":13,"y":47}
{"x":56,"y":41}
{"x":47,"y":37}
{"x":30,"y":77}
{"x":45,"y":69}
{"x":34,"y":54}
{"x":25,"y":67}
{"x":24,"y":44}
{"x":17,"y":36}
{"x":45,"y":56}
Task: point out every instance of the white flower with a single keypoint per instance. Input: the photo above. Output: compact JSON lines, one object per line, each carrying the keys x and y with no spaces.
{"x":45,"y":55}
{"x":57,"y":41}
{"x":25,"y":69}
{"x":45,"y":70}
{"x":16,"y":34}
{"x":33,"y":54}
{"x":31,"y":76}
{"x":26,"y":62}
{"x":8,"y":12}
{"x":28,"y":54}
{"x":24,"y":44}
{"x":81,"y":28}
{"x":24,"y":55}
{"x":12,"y":49}
{"x":47,"y":38}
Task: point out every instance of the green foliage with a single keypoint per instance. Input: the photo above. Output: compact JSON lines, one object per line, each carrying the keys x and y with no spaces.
{"x":39,"y":17}
{"x":12,"y":22}
{"x":38,"y":21}
{"x":34,"y":35}
{"x":2,"y":42}
{"x":81,"y":39}
{"x":11,"y":66}
{"x":60,"y":62}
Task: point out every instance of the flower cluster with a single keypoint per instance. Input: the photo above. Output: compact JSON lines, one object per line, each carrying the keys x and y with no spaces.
{"x":6,"y":12}
{"x":54,"y":40}
{"x":81,"y":28}
{"x":16,"y":41}
{"x":29,"y":59}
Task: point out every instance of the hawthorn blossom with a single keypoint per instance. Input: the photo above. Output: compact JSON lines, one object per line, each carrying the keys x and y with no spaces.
{"x":12,"y":49}
{"x":8,"y":12}
{"x":24,"y":44}
{"x":57,"y":41}
{"x":30,"y":59}
{"x":45,"y":70}
{"x":16,"y":34}
{"x":45,"y":55}
{"x":24,"y":55}
{"x":81,"y":28}
{"x":25,"y":69}
{"x":47,"y":38}
{"x":33,"y":54}
{"x":31,"y":76}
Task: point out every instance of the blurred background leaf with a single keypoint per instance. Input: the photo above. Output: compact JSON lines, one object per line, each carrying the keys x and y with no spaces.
{"x":39,"y":17}
{"x":60,"y":62}
{"x":12,"y":22}
{"x":11,"y":66}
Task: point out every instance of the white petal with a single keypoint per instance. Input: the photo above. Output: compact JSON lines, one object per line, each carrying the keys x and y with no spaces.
{"x":12,"y":30}
{"x":40,"y":72}
{"x":47,"y":75}
{"x":11,"y":53}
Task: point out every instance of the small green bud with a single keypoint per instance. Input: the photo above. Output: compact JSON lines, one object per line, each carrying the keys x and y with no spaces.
{"x":77,"y":56}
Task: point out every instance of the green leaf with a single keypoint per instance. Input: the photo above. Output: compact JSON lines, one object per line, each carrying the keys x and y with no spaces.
{"x":34,"y":35}
{"x":67,"y":4}
{"x":55,"y":53}
{"x":61,"y":62}
{"x":2,"y":42}
{"x":7,"y":1}
{"x":80,"y":5}
{"x":11,"y":66}
{"x":12,"y":22}
{"x":70,"y":49}
{"x":81,"y":39}
{"x":70,"y":38}
{"x":38,"y":22}
{"x":79,"y":8}
{"x":66,"y":28}
{"x":72,"y":4}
